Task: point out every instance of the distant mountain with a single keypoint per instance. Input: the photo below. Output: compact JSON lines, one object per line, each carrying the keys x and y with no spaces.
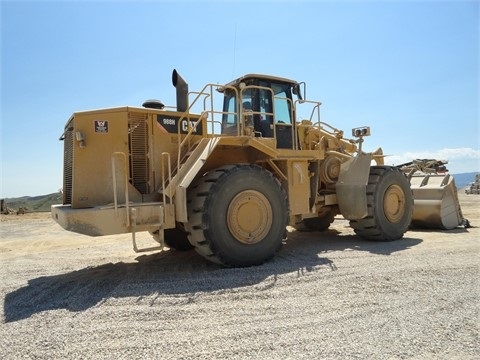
{"x":34,"y":203}
{"x":44,"y":202}
{"x":463,"y":179}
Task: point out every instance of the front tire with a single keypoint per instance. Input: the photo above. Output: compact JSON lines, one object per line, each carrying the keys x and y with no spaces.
{"x":389,"y":203}
{"x":237,"y":215}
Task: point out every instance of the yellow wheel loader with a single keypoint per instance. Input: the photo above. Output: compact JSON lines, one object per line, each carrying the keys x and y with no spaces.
{"x":226,"y":180}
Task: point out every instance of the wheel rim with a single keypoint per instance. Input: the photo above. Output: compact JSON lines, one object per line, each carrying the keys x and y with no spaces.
{"x":249,"y":217}
{"x":394,"y":204}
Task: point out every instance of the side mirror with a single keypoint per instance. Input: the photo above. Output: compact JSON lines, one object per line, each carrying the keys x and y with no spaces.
{"x":296,"y":91}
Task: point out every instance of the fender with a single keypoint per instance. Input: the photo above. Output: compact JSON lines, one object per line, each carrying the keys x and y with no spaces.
{"x":352,"y":187}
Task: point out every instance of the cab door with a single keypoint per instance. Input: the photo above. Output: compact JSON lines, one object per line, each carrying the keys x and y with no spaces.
{"x":281,"y":107}
{"x":284,"y":124}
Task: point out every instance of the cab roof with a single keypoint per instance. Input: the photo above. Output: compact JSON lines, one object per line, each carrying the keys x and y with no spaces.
{"x":261,"y":77}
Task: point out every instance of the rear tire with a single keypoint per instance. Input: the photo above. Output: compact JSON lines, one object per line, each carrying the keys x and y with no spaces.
{"x":390,"y":205}
{"x":237,"y":215}
{"x":320,"y":223}
{"x":175,"y":239}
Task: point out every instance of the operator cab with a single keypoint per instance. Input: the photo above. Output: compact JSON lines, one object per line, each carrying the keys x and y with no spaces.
{"x":265,"y":106}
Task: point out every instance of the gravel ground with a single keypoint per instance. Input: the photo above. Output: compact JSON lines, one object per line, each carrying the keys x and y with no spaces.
{"x":326,"y":295}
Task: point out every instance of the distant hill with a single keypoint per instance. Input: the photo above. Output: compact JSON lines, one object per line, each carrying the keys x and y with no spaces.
{"x":462,"y":180}
{"x":44,"y":202}
{"x":34,"y":203}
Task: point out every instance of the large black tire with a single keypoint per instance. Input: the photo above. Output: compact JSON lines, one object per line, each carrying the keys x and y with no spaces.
{"x":175,"y":239}
{"x":237,"y":215}
{"x":390,"y":205}
{"x":320,"y":223}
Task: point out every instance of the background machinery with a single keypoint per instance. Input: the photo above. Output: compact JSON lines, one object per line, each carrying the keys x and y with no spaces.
{"x":474,"y":187}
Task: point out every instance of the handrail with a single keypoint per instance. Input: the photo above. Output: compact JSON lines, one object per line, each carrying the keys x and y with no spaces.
{"x":315,"y":109}
{"x":167,"y":156}
{"x":114,"y":177}
{"x":209,"y":115}
{"x":203,"y":116}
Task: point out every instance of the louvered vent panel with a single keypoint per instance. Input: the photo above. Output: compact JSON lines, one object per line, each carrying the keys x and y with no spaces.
{"x":68,"y":163}
{"x":138,"y":147}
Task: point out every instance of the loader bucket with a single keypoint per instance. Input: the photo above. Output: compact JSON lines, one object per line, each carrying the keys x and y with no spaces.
{"x":436,"y":202}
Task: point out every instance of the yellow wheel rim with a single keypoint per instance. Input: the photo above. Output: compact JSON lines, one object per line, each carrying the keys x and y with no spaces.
{"x":394,"y":203}
{"x":249,"y":217}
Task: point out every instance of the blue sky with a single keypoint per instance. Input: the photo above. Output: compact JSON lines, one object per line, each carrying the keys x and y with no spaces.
{"x":409,"y":70}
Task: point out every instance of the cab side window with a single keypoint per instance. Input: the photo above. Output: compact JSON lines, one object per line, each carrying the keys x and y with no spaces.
{"x":229,"y":118}
{"x":281,"y":108}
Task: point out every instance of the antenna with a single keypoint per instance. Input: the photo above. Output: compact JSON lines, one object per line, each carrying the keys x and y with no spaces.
{"x":234,"y":50}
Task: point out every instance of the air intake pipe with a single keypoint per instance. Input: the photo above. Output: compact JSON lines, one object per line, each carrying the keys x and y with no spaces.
{"x":182,"y":91}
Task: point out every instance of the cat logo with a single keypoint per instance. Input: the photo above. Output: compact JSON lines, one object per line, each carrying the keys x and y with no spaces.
{"x":187,"y":125}
{"x":173,"y":124}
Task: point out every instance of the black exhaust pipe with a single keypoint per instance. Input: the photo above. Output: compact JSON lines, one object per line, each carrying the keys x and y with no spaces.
{"x":182,"y":91}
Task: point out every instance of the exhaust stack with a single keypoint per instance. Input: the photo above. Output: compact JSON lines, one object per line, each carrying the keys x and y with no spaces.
{"x":182,"y":91}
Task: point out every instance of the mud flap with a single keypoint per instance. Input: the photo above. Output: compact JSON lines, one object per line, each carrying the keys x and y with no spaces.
{"x":436,"y":202}
{"x":352,"y":187}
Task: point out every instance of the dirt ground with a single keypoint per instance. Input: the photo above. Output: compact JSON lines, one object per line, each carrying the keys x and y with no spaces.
{"x":327,"y":295}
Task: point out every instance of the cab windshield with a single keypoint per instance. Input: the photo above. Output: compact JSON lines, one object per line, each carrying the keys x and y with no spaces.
{"x":267,"y":102}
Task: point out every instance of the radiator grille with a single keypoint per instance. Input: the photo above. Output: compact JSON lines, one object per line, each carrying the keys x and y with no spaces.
{"x":67,"y":163}
{"x":138,"y":148}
